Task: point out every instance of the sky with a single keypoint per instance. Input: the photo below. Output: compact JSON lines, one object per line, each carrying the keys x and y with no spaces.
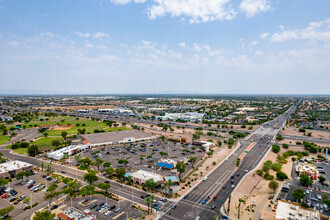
{"x":165,"y":46}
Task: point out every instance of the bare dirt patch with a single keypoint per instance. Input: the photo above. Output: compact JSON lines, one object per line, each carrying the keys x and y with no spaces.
{"x":62,"y":127}
{"x":315,"y":134}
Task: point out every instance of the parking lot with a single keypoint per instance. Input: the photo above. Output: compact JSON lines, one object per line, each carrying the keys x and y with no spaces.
{"x":103,"y":208}
{"x":151,"y":152}
{"x":34,"y":190}
{"x":313,"y":194}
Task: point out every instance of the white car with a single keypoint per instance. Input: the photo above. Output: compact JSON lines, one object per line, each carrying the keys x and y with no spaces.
{"x":197,"y":218}
{"x":107,"y":213}
{"x":319,"y":197}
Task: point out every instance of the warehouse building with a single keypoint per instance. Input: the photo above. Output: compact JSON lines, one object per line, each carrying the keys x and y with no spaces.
{"x":70,"y":150}
{"x":129,"y":136}
{"x":11,"y":168}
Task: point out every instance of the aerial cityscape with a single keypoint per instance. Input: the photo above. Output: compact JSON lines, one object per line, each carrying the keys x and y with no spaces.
{"x":164,"y":110}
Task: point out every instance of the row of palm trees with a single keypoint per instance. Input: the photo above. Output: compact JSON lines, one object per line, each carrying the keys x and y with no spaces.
{"x":47,"y":167}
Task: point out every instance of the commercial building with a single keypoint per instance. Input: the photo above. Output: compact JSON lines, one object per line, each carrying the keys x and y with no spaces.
{"x":142,"y":176}
{"x":207,"y":145}
{"x":167,"y":166}
{"x":287,"y":210}
{"x":307,"y":168}
{"x":116,"y":111}
{"x":98,"y":139}
{"x":11,"y":168}
{"x":72,"y":213}
{"x":70,"y":150}
{"x":188,"y":116}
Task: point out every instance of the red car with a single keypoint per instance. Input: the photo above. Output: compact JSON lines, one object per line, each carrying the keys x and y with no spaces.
{"x":215,"y":197}
{"x":4,"y":195}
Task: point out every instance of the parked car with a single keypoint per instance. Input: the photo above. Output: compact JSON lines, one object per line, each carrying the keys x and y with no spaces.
{"x":117,"y":210}
{"x":53,"y":207}
{"x":93,"y":206}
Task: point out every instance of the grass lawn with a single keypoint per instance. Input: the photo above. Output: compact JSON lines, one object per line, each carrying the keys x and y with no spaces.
{"x":90,"y":125}
{"x":45,"y":143}
{"x":18,"y":150}
{"x":3,"y":139}
{"x":117,"y":129}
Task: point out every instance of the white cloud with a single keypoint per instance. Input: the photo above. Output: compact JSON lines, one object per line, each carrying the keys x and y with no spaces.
{"x":316,"y":31}
{"x":253,"y":7}
{"x":196,"y":47}
{"x":182,"y":44}
{"x":100,"y":35}
{"x":120,"y":2}
{"x":139,"y":1}
{"x":197,"y":10}
{"x":254,"y":43}
{"x":82,"y":34}
{"x":264,"y":35}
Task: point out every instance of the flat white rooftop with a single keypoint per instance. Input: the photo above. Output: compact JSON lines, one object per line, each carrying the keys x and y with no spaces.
{"x":13,"y":165}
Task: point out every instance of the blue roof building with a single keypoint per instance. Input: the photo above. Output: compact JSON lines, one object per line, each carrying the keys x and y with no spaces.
{"x":165,"y":165}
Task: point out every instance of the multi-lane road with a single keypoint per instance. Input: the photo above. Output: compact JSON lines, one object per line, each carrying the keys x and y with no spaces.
{"x":219,"y":182}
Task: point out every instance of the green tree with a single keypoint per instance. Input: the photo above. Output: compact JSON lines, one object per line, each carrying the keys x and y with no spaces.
{"x":109,"y":171}
{"x":273,"y":185}
{"x":210,"y":153}
{"x":192,"y":160}
{"x":322,"y":178}
{"x":277,"y":166}
{"x":141,"y":159}
{"x":104,"y":186}
{"x":120,"y":172}
{"x":90,"y":177}
{"x":107,"y":164}
{"x":56,"y":143}
{"x":150,"y":184}
{"x":305,"y":180}
{"x":98,"y":163}
{"x":5,"y":211}
{"x":42,"y":165}
{"x":180,"y":167}
{"x":298,"y":194}
{"x":281,"y":175}
{"x":45,"y":215}
{"x":276,"y":148}
{"x":64,"y":134}
{"x":32,"y":150}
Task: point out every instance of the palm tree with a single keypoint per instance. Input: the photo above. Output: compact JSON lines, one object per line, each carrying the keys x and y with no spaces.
{"x":42,"y":165}
{"x":148,"y":202}
{"x":49,"y":167}
{"x":240,"y":200}
{"x":229,"y":197}
{"x":166,"y":185}
{"x":78,"y":158}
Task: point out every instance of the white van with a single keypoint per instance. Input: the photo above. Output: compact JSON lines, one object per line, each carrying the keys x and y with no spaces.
{"x":205,"y":178}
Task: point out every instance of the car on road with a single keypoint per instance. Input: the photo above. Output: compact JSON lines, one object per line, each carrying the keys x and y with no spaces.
{"x":204,"y":201}
{"x":196,"y":187}
{"x":53,"y":207}
{"x":107,"y":181}
{"x":215,"y":197}
{"x":232,"y":176}
{"x":238,"y":174}
{"x":246,"y":171}
{"x":197,"y":218}
{"x":232,"y":186}
{"x":205,"y":178}
{"x":224,"y":187}
{"x":213,"y":207}
{"x":63,"y":172}
{"x":142,"y":197}
{"x":186,"y":196}
{"x":232,"y":181}
{"x":224,"y":217}
{"x":307,"y":191}
{"x":174,"y":207}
